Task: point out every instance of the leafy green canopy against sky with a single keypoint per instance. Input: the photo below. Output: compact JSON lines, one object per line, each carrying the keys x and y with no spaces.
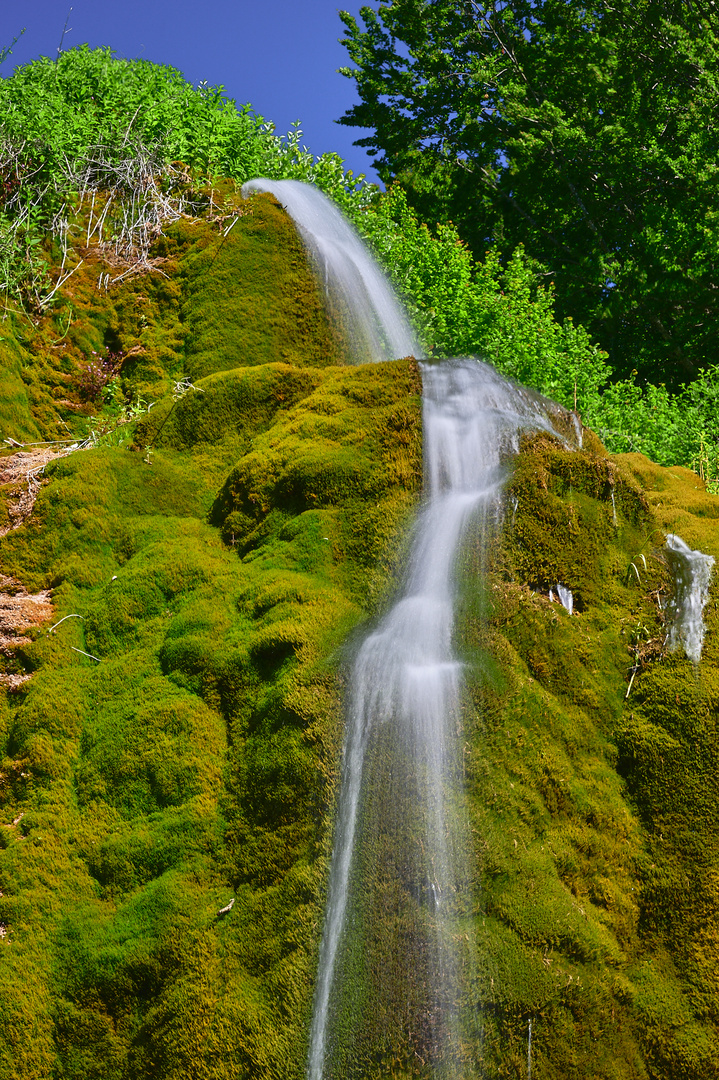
{"x":588,"y":133}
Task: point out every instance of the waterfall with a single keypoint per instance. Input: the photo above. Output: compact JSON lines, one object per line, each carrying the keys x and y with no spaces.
{"x":395,"y":977}
{"x":692,"y":574}
{"x":402,"y":758}
{"x":565,"y":597}
{"x":359,"y":297}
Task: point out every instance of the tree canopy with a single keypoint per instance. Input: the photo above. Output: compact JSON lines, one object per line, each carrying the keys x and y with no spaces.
{"x":585,"y":132}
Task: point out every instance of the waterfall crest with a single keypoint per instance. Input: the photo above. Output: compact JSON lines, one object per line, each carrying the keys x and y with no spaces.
{"x":401,"y":791}
{"x":359,"y":297}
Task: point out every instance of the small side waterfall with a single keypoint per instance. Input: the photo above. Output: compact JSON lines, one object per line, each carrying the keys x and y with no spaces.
{"x":359,"y":297}
{"x":692,"y":574}
{"x":401,"y":781}
{"x":565,"y":597}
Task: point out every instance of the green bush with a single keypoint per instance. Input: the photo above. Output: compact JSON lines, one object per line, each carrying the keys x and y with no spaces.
{"x":506,"y":315}
{"x":88,"y":123}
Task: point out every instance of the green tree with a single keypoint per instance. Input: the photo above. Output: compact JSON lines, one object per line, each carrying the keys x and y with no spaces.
{"x":585,"y":132}
{"x":461,"y":307}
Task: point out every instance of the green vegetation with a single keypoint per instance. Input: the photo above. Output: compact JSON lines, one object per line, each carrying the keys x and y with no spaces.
{"x":104,"y":155}
{"x":584,"y":132}
{"x":594,"y":814}
{"x":138,"y":141}
{"x":502,"y":314}
{"x":217,"y":579}
{"x":242,"y":512}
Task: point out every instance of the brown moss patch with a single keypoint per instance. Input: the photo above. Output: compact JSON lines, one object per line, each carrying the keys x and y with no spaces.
{"x":20,"y":611}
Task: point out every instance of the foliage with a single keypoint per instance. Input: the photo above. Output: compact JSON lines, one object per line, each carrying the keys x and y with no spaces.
{"x":584,"y":132}
{"x":506,"y":315}
{"x":147,"y":143}
{"x":465,"y":308}
{"x":670,"y":428}
{"x":88,"y":103}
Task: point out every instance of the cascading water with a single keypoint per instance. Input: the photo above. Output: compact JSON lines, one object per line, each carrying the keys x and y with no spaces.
{"x":402,"y":764}
{"x":395,"y":976}
{"x":692,"y":574}
{"x":358,"y":295}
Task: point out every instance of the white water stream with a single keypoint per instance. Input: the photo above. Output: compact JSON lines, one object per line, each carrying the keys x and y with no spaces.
{"x":406,"y":672}
{"x":692,"y":573}
{"x":358,"y":295}
{"x":403,"y":704}
{"x":401,"y":768}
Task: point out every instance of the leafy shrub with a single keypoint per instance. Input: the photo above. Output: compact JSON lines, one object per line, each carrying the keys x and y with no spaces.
{"x":88,"y":122}
{"x":507,"y":315}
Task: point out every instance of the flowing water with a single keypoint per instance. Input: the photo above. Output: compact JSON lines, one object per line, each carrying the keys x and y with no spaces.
{"x":396,"y":987}
{"x":565,"y":597}
{"x":400,"y":871}
{"x":359,"y":297}
{"x":692,"y":573}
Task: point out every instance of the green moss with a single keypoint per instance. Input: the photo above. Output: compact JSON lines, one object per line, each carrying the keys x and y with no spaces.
{"x":258,"y":276}
{"x":218,"y":579}
{"x":195,"y":758}
{"x":16,"y":419}
{"x":588,"y":807}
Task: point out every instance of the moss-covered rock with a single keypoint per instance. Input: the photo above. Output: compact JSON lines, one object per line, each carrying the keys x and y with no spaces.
{"x":593,"y":803}
{"x":177,"y":743}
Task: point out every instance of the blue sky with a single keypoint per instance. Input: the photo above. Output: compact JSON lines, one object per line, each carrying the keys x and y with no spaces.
{"x":280,"y":55}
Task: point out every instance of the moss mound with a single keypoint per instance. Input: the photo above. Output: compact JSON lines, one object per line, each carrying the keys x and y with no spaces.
{"x":177,"y":744}
{"x":593,"y":803}
{"x":216,"y":576}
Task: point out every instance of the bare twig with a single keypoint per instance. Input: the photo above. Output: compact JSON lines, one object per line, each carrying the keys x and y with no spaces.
{"x":64,"y":32}
{"x":53,"y":628}
{"x":46,"y":299}
{"x":83,"y":653}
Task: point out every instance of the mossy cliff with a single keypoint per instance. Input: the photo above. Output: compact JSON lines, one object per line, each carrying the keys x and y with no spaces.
{"x":217,"y":577}
{"x":219,"y":562}
{"x":593,"y":804}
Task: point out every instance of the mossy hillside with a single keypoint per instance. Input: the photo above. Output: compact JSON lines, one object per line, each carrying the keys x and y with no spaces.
{"x":237,"y":404}
{"x":211,"y":666}
{"x":325,"y":458}
{"x":208,"y":300}
{"x":668,"y":754}
{"x":16,"y":419}
{"x":197,"y":759}
{"x":267,"y":269}
{"x":593,"y":927}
